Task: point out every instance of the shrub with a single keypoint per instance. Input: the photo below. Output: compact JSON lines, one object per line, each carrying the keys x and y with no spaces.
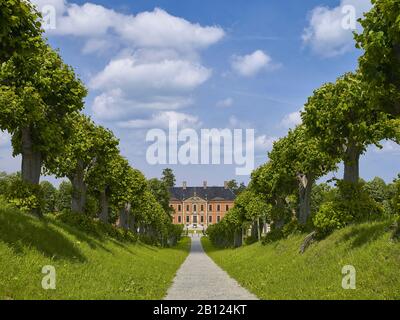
{"x":272,"y":236}
{"x":27,"y":197}
{"x":222,"y":234}
{"x":351,"y":204}
{"x":330,"y":217}
{"x":396,"y":198}
{"x":250,"y":240}
{"x":96,"y":228}
{"x":291,"y":228}
{"x":174,"y":233}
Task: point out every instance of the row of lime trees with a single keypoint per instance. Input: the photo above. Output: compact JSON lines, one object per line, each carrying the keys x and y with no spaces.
{"x":41,"y":100}
{"x":340,"y":120}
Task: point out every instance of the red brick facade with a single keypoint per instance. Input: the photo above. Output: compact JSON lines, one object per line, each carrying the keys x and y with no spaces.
{"x":199,"y":207}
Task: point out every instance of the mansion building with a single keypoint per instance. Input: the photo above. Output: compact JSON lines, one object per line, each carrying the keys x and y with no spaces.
{"x":199,"y":207}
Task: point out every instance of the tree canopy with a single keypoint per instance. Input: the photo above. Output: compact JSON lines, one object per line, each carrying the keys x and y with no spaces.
{"x":37,"y":93}
{"x":20,"y":28}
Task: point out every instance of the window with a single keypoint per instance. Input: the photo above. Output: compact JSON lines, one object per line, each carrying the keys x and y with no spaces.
{"x":194,"y":208}
{"x":227,"y":207}
{"x":218,"y":218}
{"x":179,"y":219}
{"x":202,"y":219}
{"x":187,"y":208}
{"x":210,"y":207}
{"x":187,"y":219}
{"x":218,"y":207}
{"x":179,"y":208}
{"x":194,"y":219}
{"x":202,"y":208}
{"x":210,"y":219}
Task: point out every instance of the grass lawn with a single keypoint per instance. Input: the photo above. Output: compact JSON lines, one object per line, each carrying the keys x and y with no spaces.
{"x":278,"y":271}
{"x":86,"y":267}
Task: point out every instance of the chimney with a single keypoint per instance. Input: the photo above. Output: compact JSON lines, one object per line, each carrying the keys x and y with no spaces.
{"x":205,"y":184}
{"x":226,"y":184}
{"x":184,"y":184}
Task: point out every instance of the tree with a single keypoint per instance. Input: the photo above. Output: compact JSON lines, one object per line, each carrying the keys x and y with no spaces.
{"x":85,"y":146}
{"x":64,"y":196}
{"x":299,"y":156}
{"x":127,"y":192}
{"x":20,"y":28}
{"x":235,"y":187}
{"x":37,"y":93}
{"x":253,"y":209}
{"x":161,"y":193}
{"x":274,"y":184}
{"x":49,"y":193}
{"x":168,"y":178}
{"x":4,"y":180}
{"x":227,"y":232}
{"x":320,"y":194}
{"x":151,"y":220}
{"x":380,"y":62}
{"x":343,"y":119}
{"x":378,"y":190}
{"x":108,"y":180}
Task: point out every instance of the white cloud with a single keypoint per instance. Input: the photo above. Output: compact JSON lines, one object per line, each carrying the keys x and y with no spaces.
{"x":251,"y":64}
{"x":116,"y":104}
{"x":5,"y":139}
{"x":388,"y":147}
{"x":291,"y":120}
{"x":330,"y":30}
{"x":59,"y":5}
{"x":264,"y":143}
{"x":158,"y":29}
{"x":162,"y":120}
{"x":228,"y":102}
{"x":163,"y":76}
{"x":97,"y":46}
{"x":131,"y":84}
{"x":158,"y":66}
{"x":151,"y":29}
{"x":87,"y":20}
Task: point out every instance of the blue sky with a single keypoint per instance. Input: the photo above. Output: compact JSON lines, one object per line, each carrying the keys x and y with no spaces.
{"x":230,"y":64}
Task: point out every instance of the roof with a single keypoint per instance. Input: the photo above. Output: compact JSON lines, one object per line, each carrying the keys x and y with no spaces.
{"x":209,"y":193}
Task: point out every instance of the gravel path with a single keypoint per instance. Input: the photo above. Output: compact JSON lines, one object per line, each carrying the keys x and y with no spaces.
{"x":199,"y":278}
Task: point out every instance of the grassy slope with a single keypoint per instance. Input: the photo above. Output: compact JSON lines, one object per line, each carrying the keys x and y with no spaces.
{"x":278,"y":271}
{"x":87,"y":268}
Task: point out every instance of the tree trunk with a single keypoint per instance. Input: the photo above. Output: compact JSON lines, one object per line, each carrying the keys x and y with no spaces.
{"x":254,"y":229}
{"x":79,"y":189}
{"x":306,"y":182}
{"x":131,"y":223}
{"x":280,"y":221}
{"x":31,"y":160}
{"x":104,"y":204}
{"x":124,"y":216}
{"x":258,"y":229}
{"x":238,"y":238}
{"x":351,"y":164}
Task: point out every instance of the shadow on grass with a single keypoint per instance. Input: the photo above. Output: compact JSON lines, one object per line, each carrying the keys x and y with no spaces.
{"x":360,"y":235}
{"x":208,"y":246}
{"x":19,"y":231}
{"x":80,"y":235}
